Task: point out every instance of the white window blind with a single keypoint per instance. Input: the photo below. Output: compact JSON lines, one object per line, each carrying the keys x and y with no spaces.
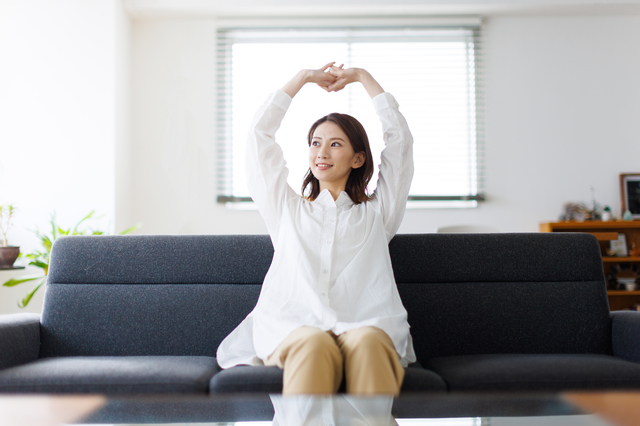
{"x":434,"y":72}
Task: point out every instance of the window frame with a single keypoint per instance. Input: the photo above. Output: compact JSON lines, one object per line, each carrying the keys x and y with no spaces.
{"x":224,"y":131}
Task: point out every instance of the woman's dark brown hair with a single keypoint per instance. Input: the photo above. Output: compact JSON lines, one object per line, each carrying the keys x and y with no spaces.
{"x":359,"y":178}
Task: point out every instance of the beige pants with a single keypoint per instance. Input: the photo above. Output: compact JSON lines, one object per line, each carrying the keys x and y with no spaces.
{"x":314,"y":360}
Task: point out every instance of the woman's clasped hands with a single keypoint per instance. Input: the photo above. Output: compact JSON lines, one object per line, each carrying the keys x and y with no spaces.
{"x":333,"y":78}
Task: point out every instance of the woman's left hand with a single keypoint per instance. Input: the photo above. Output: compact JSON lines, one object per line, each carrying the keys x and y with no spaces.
{"x":342,"y":77}
{"x":351,"y":75}
{"x":322,"y":76}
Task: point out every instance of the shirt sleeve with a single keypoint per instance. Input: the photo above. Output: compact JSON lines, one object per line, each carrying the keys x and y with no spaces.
{"x":266,"y":169}
{"x":396,"y":163}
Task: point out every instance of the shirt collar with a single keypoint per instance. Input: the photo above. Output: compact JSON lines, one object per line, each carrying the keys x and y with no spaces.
{"x":325,"y":198}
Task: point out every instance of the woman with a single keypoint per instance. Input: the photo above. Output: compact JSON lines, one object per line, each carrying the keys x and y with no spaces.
{"x":329,"y":303}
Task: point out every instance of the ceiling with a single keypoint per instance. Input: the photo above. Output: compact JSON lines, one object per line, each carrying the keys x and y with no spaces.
{"x":327,"y":8}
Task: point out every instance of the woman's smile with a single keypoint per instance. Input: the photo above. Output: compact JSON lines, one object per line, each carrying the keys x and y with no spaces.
{"x":323,"y":166}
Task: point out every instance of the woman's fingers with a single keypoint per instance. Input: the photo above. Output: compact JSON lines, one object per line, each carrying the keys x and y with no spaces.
{"x":329,"y":65}
{"x":337,"y":86}
{"x":337,"y":71}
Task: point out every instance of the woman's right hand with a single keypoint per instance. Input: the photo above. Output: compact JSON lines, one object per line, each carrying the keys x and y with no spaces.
{"x":320,"y":76}
{"x":351,"y":75}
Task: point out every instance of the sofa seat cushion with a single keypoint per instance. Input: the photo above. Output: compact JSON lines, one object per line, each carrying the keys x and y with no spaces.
{"x":269,"y":379}
{"x":244,"y":378}
{"x":111,"y":375}
{"x":536,"y":372}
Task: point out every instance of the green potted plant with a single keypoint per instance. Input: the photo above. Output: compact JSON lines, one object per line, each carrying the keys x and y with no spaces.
{"x":41,"y":258}
{"x":8,"y":254}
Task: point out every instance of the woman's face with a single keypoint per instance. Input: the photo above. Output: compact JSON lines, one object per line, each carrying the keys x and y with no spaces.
{"x":331,"y":156}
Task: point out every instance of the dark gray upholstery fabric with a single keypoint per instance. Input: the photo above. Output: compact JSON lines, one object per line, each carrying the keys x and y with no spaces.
{"x":418,"y":379}
{"x":503,"y":293}
{"x":160,"y":259}
{"x":518,"y":317}
{"x":625,"y":330}
{"x":269,"y":379}
{"x":245,"y":378}
{"x":111,"y":375}
{"x":537,"y":372}
{"x":19,"y":339}
{"x":142,"y":319}
{"x":507,"y":258}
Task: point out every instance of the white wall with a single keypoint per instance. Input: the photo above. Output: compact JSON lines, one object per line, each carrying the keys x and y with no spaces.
{"x":562,"y":101}
{"x":123,"y":167}
{"x":58,"y":119}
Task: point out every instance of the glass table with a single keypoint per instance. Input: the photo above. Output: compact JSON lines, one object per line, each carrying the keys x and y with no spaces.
{"x":422,"y":409}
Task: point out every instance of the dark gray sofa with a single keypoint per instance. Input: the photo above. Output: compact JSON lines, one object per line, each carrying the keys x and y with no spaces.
{"x":489,"y":312}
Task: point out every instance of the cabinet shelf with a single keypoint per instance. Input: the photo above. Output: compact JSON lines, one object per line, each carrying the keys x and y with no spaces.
{"x":620,"y":259}
{"x":605,"y":232}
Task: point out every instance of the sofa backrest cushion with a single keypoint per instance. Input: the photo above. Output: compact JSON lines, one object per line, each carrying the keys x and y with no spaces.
{"x":503,"y":293}
{"x":149,"y":294}
{"x":464,"y":293}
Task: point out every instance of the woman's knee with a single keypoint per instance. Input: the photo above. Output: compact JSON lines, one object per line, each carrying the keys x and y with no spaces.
{"x":366,"y":338}
{"x":316,"y":342}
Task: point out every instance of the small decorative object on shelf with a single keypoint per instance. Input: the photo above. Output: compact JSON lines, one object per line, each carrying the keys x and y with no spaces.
{"x":606,"y":214}
{"x":630,"y":195}
{"x":594,"y":213}
{"x":628,"y":284}
{"x":574,"y":211}
{"x":619,"y":246}
{"x":8,"y":254}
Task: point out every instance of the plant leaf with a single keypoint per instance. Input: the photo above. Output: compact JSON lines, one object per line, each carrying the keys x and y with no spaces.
{"x":23,"y":279}
{"x":54,"y":227}
{"x":75,"y":229}
{"x":128,"y":230}
{"x":39,"y":264}
{"x":25,"y":301}
{"x":46,"y":243}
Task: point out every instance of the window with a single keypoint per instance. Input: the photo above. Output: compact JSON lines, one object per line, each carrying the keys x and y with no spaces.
{"x":433,"y":71}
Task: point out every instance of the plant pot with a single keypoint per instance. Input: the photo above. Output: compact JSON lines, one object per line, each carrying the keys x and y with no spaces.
{"x":8,"y":255}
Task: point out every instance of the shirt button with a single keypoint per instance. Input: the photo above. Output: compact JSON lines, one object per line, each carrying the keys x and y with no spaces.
{"x":331,"y":220}
{"x":325,"y":271}
{"x":328,"y":241}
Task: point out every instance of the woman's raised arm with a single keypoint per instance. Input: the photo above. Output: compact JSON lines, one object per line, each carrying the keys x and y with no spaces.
{"x":396,"y":160}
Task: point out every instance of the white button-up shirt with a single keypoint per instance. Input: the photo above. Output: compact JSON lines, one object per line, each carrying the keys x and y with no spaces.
{"x":331,"y":267}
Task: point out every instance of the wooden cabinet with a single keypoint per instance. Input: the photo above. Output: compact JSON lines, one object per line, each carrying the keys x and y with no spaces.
{"x":605,"y":232}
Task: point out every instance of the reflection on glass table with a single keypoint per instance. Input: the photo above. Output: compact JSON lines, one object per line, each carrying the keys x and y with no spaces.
{"x":421,"y":409}
{"x":332,"y":410}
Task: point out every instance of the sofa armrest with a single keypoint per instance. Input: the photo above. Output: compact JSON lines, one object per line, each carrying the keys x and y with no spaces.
{"x":625,"y":335}
{"x":19,"y":339}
